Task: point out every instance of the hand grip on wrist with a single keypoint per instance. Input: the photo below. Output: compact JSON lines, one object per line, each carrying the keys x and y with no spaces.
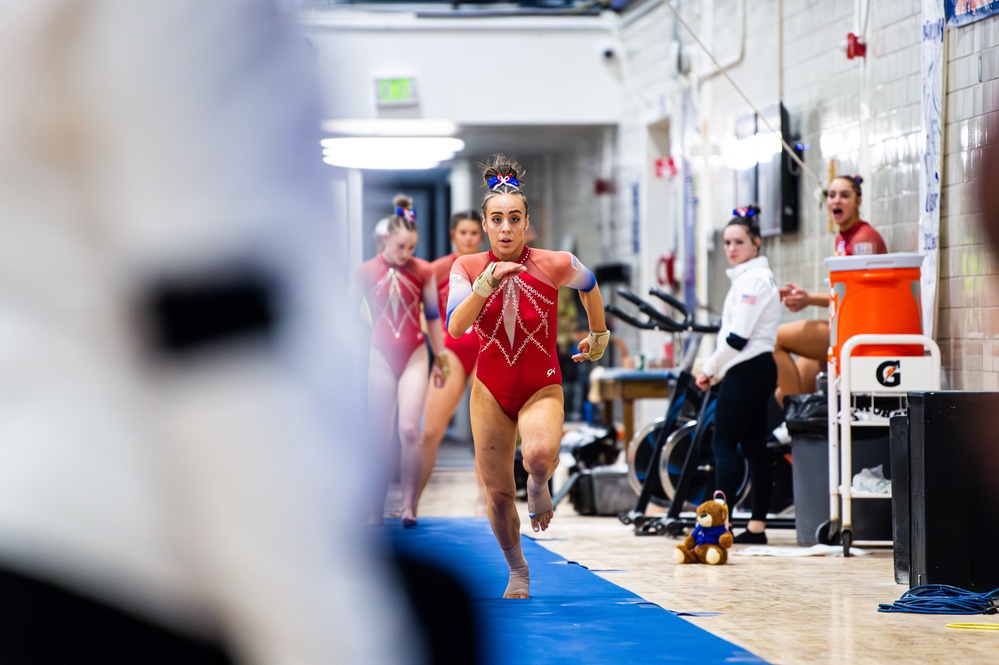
{"x":485,"y":283}
{"x":598,"y":342}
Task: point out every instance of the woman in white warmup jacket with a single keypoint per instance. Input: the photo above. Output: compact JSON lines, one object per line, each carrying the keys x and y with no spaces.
{"x":744,"y":359}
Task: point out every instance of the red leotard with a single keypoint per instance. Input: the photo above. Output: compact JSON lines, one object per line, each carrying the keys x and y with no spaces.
{"x":861,"y":238}
{"x":466,"y":347}
{"x":394,"y":294}
{"x":517,"y":326}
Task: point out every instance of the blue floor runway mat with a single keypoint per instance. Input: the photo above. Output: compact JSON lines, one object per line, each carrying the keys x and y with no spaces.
{"x":573,"y":615}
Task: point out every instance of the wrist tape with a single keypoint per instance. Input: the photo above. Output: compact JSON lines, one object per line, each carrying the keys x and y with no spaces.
{"x":485,"y":283}
{"x":598,"y":342}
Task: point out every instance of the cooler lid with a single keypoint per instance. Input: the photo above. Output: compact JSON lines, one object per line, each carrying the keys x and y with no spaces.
{"x":874,"y":261}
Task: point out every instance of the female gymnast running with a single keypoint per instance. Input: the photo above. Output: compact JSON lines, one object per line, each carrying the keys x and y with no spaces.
{"x":510,"y":294}
{"x":394,"y":285}
{"x":808,"y":339}
{"x":461,"y":352}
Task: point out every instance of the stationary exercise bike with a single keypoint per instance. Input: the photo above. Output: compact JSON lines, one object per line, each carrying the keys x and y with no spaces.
{"x":670,"y":462}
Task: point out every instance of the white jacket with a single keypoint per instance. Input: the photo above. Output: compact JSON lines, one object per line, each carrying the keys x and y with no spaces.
{"x":751,"y":312}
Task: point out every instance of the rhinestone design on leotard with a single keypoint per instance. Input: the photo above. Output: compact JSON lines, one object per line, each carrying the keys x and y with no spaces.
{"x":393,"y":310}
{"x":510,"y":319}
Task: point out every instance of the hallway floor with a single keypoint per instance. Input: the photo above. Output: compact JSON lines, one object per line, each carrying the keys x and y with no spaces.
{"x":787,"y":610}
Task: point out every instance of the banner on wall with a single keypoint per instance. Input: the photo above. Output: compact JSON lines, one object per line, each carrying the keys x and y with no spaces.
{"x":689,"y":123}
{"x":931,"y":63}
{"x":962,"y":12}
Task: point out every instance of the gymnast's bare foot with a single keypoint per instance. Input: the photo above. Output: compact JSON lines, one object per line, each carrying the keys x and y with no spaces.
{"x":539,"y":504}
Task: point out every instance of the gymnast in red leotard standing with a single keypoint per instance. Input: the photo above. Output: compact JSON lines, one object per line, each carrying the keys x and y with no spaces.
{"x":510,"y":295}
{"x":461,"y":352}
{"x":394,"y":285}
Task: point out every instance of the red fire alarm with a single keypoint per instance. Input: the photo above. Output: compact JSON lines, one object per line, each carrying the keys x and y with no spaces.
{"x":665,"y":270}
{"x":665,"y":167}
{"x":854,"y":47}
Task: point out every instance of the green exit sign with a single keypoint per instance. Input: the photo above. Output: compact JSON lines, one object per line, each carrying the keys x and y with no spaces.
{"x":397,"y":91}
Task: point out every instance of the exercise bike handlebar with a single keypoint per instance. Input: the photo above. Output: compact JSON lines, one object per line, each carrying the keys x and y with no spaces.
{"x":664,"y":322}
{"x":670,"y":300}
{"x":658,"y":320}
{"x":631,"y":320}
{"x":688,"y":318}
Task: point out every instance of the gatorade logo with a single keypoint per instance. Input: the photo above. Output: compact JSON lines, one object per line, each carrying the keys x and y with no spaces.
{"x":888,"y":373}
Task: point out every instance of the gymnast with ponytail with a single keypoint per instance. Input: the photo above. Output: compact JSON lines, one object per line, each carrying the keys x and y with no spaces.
{"x":397,"y":288}
{"x":743,"y":362}
{"x":509,"y":295}
{"x":802,"y":345}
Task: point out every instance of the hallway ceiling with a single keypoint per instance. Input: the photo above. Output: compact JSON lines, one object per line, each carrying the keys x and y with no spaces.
{"x":524,"y":141}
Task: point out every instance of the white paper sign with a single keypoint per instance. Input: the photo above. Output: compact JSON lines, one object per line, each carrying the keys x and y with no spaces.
{"x":929,"y":174}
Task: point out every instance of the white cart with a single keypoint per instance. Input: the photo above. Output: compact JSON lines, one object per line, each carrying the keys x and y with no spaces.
{"x":869,"y":376}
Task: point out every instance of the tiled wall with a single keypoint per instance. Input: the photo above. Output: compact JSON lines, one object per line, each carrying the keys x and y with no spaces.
{"x":969,"y":278}
{"x":857,"y":116}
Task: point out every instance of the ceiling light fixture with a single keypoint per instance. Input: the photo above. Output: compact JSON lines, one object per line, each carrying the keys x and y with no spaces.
{"x":380,"y":152}
{"x":391,"y":127}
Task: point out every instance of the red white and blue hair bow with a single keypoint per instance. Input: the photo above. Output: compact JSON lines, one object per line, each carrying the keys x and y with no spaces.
{"x":503,"y":179}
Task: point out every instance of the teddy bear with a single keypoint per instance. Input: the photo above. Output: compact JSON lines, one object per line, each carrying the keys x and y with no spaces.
{"x":710,"y":539}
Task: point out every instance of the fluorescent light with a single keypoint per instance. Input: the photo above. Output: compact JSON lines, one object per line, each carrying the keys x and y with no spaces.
{"x":389,"y":127}
{"x":743,"y":154}
{"x":404,"y":153}
{"x":740,"y":154}
{"x":767,"y":146}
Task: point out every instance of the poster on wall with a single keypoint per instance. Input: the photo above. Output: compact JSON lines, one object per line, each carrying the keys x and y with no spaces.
{"x":689,"y":125}
{"x":931,"y":64}
{"x":962,"y":12}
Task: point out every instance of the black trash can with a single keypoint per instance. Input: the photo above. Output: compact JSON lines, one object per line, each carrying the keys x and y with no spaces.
{"x":808,"y":425}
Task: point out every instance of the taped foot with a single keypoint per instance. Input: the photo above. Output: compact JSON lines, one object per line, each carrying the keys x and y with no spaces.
{"x":519,"y":585}
{"x":539,"y":504}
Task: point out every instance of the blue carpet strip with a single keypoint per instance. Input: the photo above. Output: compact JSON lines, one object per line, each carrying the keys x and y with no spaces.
{"x":573,"y":616}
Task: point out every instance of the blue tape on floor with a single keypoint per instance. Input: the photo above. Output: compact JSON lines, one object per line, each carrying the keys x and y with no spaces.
{"x":573,"y":616}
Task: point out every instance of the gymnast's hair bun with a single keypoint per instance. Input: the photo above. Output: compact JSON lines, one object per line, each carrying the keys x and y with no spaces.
{"x":502,"y":175}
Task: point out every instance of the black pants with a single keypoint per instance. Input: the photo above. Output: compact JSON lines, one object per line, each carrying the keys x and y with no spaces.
{"x":42,"y":623}
{"x":741,"y":417}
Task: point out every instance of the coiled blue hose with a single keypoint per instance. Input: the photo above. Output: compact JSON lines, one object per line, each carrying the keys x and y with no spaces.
{"x":943,"y":599}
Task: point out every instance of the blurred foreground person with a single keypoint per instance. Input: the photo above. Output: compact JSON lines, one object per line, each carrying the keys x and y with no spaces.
{"x":178,"y":381}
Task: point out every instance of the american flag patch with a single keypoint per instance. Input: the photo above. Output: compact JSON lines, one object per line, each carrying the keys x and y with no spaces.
{"x":748,"y":298}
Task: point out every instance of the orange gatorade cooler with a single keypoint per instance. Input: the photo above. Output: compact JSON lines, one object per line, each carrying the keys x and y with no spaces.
{"x":874,"y":294}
